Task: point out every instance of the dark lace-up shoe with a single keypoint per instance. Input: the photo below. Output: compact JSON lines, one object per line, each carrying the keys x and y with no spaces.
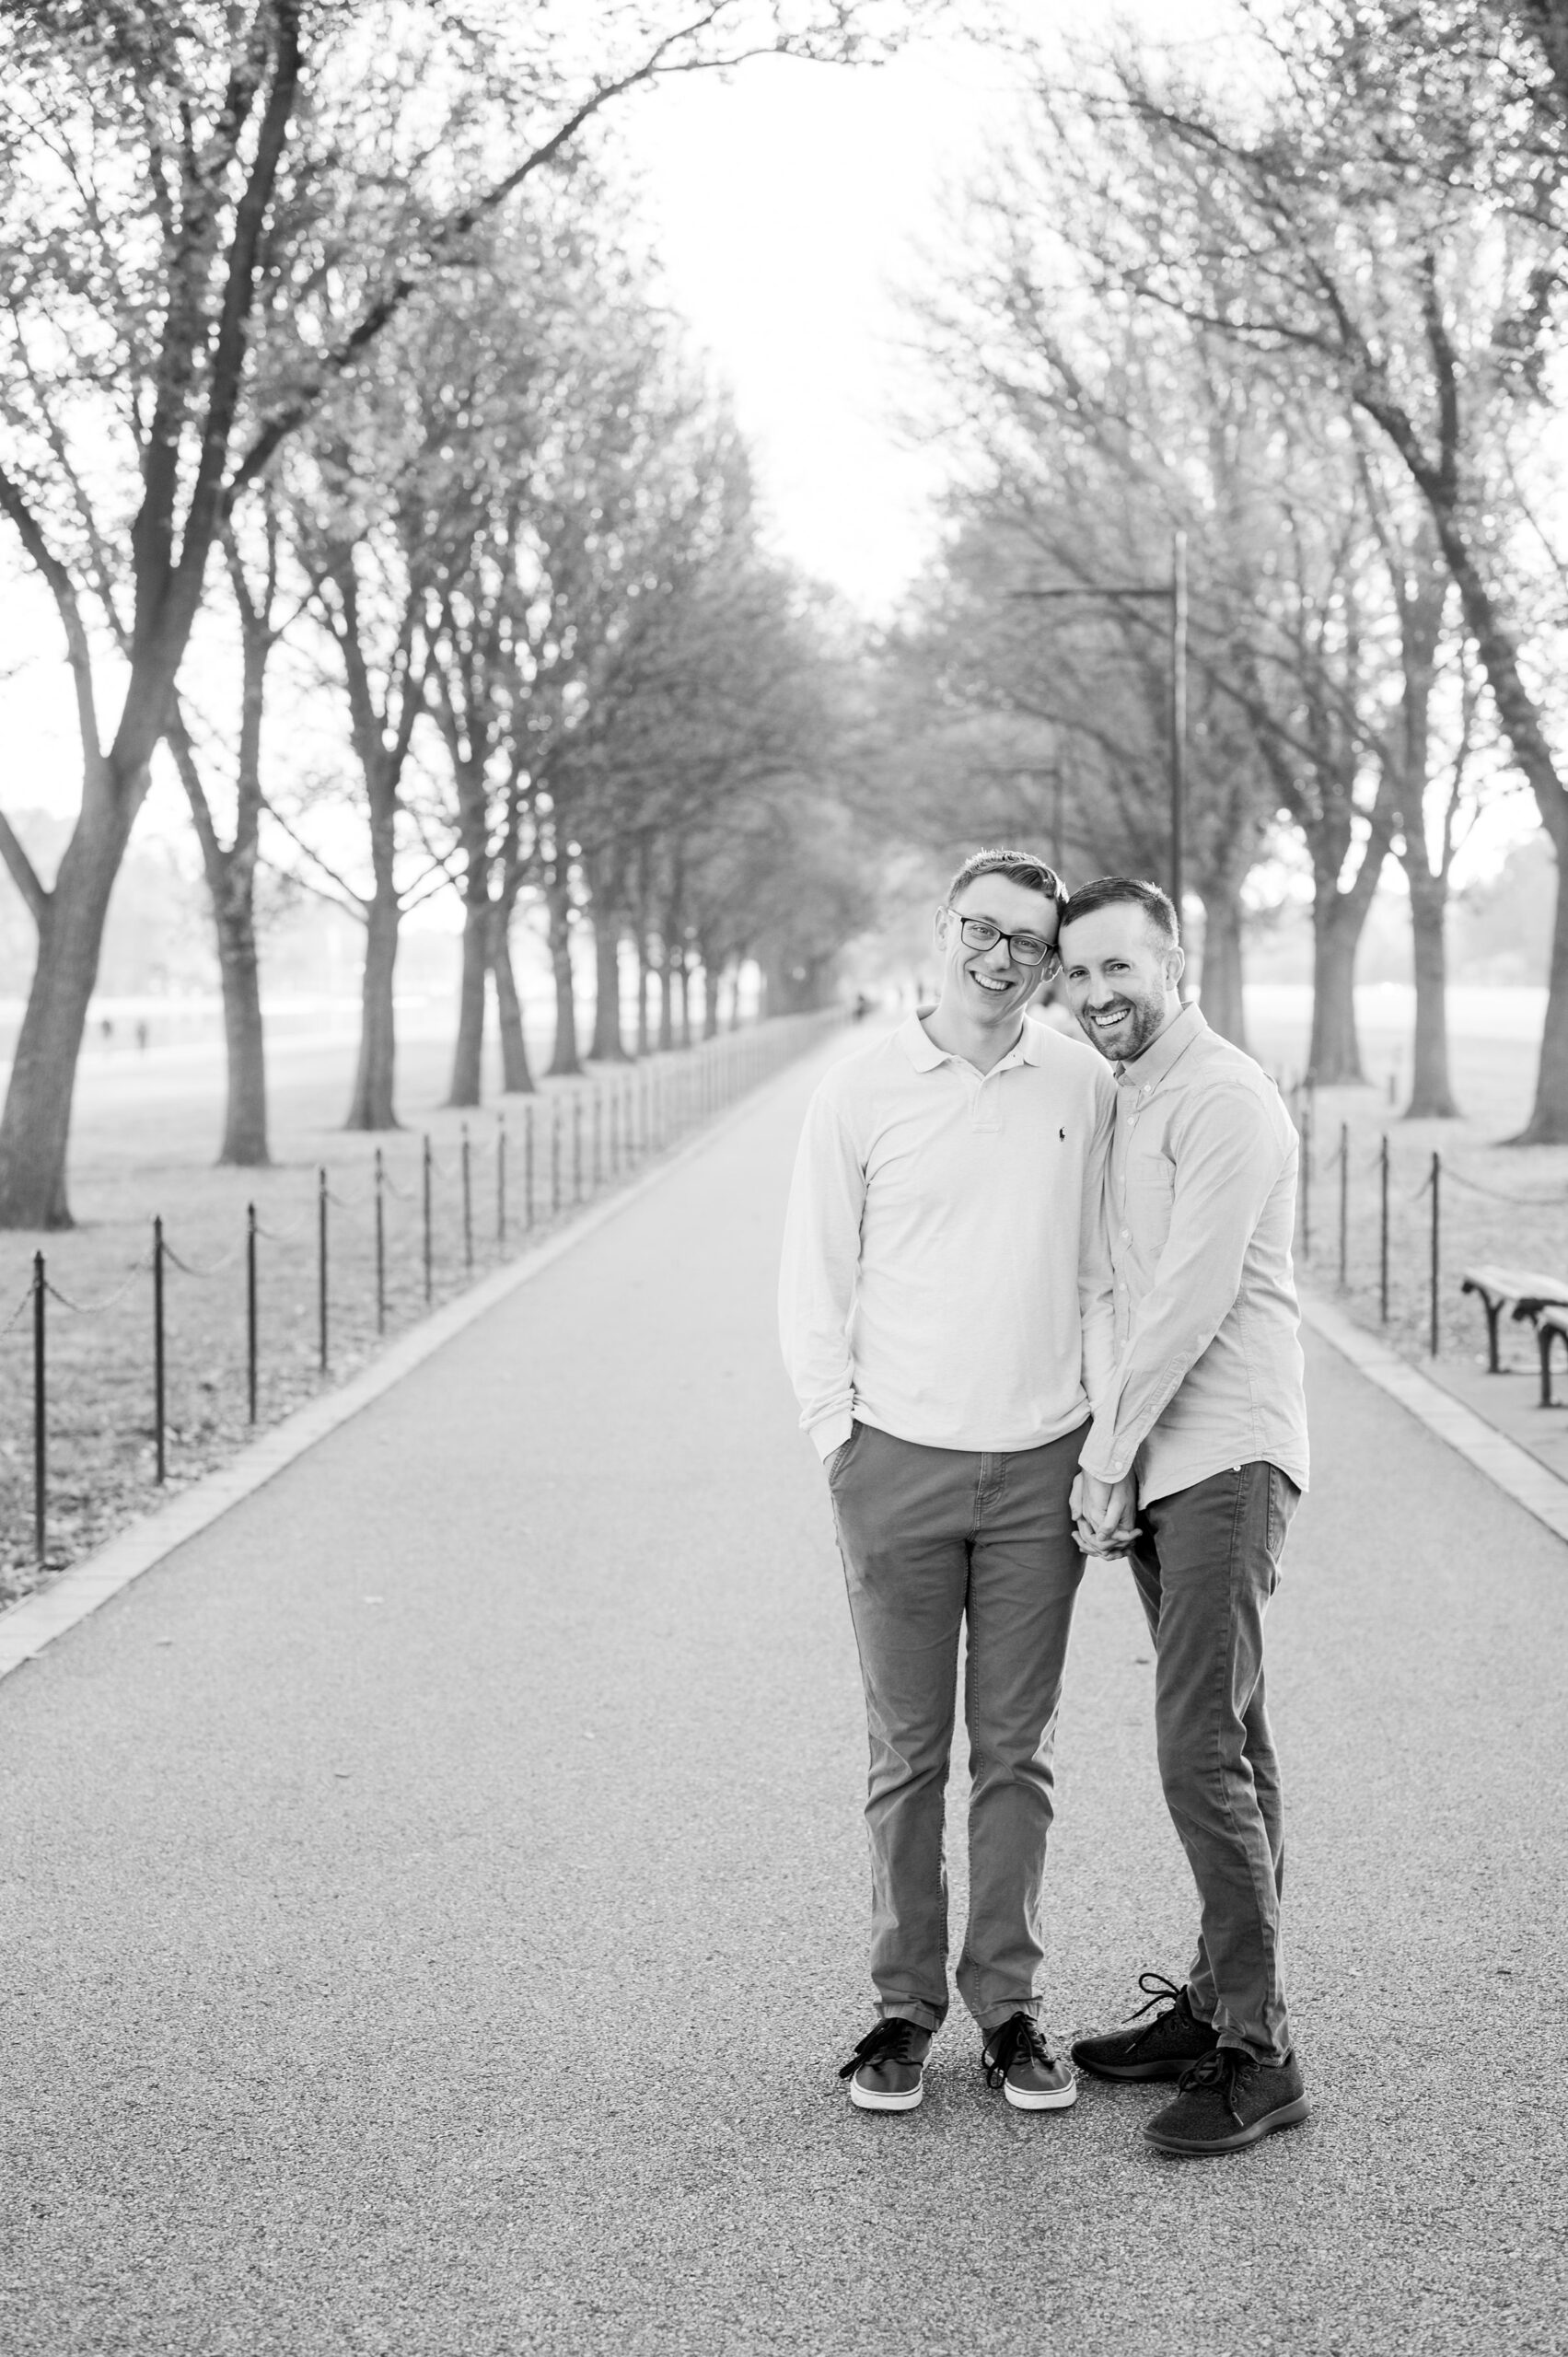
{"x":1228,"y":2101}
{"x":887,"y":2071}
{"x":1161,"y":2049}
{"x":1018,"y":2060}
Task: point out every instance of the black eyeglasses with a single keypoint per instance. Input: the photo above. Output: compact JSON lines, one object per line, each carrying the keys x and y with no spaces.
{"x":979,"y":933}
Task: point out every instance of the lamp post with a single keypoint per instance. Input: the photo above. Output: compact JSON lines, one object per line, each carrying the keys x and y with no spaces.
{"x":1173,"y":593}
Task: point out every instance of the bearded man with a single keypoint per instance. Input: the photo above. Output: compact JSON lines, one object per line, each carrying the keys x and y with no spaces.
{"x":1202,"y":1434}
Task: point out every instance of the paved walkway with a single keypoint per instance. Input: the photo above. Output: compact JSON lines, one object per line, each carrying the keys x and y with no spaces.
{"x":432,"y":1903}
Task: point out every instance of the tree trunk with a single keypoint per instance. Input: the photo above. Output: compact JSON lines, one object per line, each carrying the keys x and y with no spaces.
{"x":239,"y":967}
{"x":1432,"y":1095}
{"x":1547,"y":1124}
{"x":1225,"y":1008}
{"x":517,"y":1078}
{"x":1335,"y":1052}
{"x":644,"y":984}
{"x":565,"y":1059}
{"x":711,"y":978}
{"x":667,"y":998}
{"x":35,"y":1128}
{"x":609,"y":1046}
{"x":1524,"y":727}
{"x":468,"y":1056}
{"x":371,"y":1107}
{"x":683,"y":1000}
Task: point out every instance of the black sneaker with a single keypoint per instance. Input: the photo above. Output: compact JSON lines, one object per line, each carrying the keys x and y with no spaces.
{"x":1018,"y":2060}
{"x":1161,"y":2049}
{"x":887,"y":2071}
{"x":1228,"y":2101}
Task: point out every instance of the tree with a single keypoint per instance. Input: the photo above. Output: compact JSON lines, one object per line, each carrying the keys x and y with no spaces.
{"x":231,"y":869}
{"x":1384,"y":204}
{"x":141,"y":153}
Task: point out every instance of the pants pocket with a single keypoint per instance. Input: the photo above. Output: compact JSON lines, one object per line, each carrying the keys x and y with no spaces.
{"x":1284,"y":1499}
{"x":834,"y":1465}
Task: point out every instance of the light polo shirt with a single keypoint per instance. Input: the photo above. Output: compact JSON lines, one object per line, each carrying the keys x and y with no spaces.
{"x":932,"y":1283}
{"x":1202,"y":1210}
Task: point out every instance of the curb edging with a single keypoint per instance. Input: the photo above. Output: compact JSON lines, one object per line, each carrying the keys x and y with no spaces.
{"x":34,"y":1621}
{"x":1513,"y":1468}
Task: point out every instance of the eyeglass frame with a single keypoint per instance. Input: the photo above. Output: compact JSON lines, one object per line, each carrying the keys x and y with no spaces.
{"x":1036,"y":966}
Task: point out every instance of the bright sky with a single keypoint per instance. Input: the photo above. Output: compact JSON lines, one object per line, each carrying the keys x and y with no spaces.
{"x":788,"y":205}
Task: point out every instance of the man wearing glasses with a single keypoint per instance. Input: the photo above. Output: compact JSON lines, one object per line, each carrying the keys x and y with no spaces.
{"x":944,"y":1345}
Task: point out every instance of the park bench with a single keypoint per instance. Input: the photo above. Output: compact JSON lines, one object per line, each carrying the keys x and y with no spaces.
{"x":1542,"y":1301}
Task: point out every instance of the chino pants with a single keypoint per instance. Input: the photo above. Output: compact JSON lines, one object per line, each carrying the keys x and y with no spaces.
{"x":933,"y":1538}
{"x":1206,"y":1562}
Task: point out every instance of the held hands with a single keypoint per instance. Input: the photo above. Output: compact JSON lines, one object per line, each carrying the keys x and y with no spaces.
{"x":1105,"y":1513}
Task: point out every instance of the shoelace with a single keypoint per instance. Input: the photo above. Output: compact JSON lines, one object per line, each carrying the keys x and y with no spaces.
{"x":890,"y":2041}
{"x":1163,"y":1993}
{"x":1220,"y":2069}
{"x":1018,"y":2040}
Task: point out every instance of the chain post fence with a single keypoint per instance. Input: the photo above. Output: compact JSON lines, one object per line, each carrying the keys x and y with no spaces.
{"x":40,"y":1408}
{"x":631,"y":1116}
{"x":1410,"y":1221}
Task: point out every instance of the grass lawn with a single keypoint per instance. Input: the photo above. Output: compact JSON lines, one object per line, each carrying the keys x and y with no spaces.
{"x":145,"y":1134}
{"x":147,"y":1129}
{"x":1497,"y":1202}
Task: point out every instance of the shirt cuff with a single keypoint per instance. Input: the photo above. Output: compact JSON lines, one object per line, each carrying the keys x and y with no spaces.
{"x":1106,"y":1469}
{"x":831,"y":1433}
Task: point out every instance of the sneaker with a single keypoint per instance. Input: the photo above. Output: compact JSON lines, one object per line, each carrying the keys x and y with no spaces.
{"x":887,"y":2071}
{"x":1228,"y":2101}
{"x":1018,"y":2060}
{"x":1161,"y":2049}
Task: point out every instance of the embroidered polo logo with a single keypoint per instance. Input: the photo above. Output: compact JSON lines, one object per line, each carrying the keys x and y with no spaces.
{"x":1062,"y":1135}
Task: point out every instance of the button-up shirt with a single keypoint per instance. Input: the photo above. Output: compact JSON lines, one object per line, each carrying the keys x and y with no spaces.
{"x":1200,"y":1205}
{"x":932,"y":1282}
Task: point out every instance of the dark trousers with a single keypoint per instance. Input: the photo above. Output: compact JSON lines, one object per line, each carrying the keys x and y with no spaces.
{"x":933,"y":1538}
{"x":1206,"y":1562}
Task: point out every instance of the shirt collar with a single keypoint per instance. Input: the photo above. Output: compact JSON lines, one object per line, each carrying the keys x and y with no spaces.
{"x":1148,"y":1070}
{"x":925,"y":1055}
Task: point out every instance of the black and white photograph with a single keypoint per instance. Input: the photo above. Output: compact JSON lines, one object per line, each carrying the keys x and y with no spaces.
{"x":784,"y":1179}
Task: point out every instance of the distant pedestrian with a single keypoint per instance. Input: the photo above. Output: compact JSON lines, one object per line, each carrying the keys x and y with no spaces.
{"x":143,"y":1036}
{"x":930,"y":1312}
{"x":106,"y":1030}
{"x":1204,"y":1424}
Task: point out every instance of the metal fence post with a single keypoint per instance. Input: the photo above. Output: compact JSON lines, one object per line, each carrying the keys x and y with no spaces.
{"x":1306,"y":1180}
{"x":40,"y":1414}
{"x":159,"y":1450}
{"x":468,"y":1200}
{"x":500,"y":1178}
{"x":554,"y":1156}
{"x":1436,"y":1185}
{"x":425,"y":1190}
{"x":380,"y":1244}
{"x":598,"y":1138}
{"x":527,"y":1164}
{"x":1344,"y":1200}
{"x":322,"y":1265}
{"x":250,"y":1309}
{"x":1383,"y":1231}
{"x":577,"y":1146}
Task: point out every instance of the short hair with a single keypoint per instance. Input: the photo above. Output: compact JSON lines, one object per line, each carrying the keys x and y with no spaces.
{"x":1019,"y":867}
{"x":1106,"y":891}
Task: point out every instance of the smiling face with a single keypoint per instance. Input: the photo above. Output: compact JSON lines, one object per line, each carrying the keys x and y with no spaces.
{"x":987,"y":986}
{"x":1120,"y":974}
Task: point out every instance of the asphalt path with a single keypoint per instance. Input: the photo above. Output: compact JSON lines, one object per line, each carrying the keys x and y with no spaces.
{"x":434,"y":1900}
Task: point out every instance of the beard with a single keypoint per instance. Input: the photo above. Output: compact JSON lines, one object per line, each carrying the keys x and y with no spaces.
{"x":1142,"y":1022}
